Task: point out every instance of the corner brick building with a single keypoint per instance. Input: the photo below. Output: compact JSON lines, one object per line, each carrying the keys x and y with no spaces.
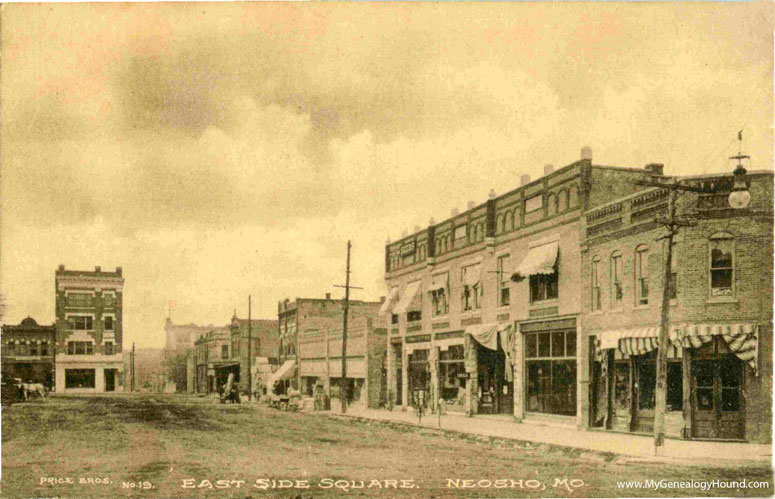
{"x":311,"y":348}
{"x":720,"y":352}
{"x":89,"y":330}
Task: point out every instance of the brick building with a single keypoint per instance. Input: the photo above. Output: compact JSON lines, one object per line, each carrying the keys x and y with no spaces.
{"x":89,"y":332}
{"x":222,"y":351}
{"x":28,"y":352}
{"x":720,"y":353}
{"x":314,"y":325}
{"x":475,"y":300}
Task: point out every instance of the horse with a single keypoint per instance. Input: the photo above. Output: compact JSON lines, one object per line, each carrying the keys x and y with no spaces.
{"x":36,"y":389}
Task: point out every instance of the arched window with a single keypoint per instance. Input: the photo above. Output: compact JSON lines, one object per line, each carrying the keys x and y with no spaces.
{"x":499,"y":224}
{"x":722,"y":265}
{"x":551,"y":208}
{"x":617,"y":289}
{"x":562,"y":201}
{"x":481,"y":232}
{"x":641,"y":275}
{"x":516,"y":218}
{"x":574,"y":197}
{"x":596,"y":279}
{"x":509,"y":221}
{"x":438,"y":247}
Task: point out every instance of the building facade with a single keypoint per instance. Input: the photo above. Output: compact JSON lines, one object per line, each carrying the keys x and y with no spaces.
{"x":89,"y":331}
{"x":310,"y":321}
{"x":719,"y":375}
{"x":213,"y":360}
{"x":483,"y":309}
{"x":28,"y":352}
{"x":320,"y":362}
{"x":264,"y":344}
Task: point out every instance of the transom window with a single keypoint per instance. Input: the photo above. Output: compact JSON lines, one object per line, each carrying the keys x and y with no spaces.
{"x":722,"y":265}
{"x":642,"y":275}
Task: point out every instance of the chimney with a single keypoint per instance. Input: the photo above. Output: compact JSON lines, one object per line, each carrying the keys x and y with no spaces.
{"x":470,"y":205}
{"x":61,"y":268}
{"x":548,"y":169}
{"x":655,"y":168}
{"x":491,"y":194}
{"x":524,"y":179}
{"x":382,"y":299}
{"x":328,"y":296}
{"x":98,"y":269}
{"x":455,"y":212}
{"x":119,"y":270}
{"x":586,"y":153}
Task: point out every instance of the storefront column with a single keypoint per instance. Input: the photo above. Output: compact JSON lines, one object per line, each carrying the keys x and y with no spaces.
{"x":583,"y":354}
{"x":404,"y":378}
{"x":390,"y":368}
{"x":435,"y":391}
{"x":519,"y":378}
{"x":686,"y":364}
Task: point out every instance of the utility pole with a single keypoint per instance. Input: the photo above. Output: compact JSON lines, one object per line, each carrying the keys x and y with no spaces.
{"x":250,"y":339}
{"x":347,"y":287}
{"x":133,"y":367}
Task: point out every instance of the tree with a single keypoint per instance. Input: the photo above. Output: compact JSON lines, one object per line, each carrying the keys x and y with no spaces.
{"x":175,"y":367}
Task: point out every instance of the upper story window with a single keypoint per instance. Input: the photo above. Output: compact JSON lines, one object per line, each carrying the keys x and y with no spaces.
{"x":562,"y":201}
{"x":722,"y":265}
{"x":108,"y":300}
{"x":44,"y":348}
{"x":224,"y":352}
{"x":79,"y":300}
{"x":642,"y":275}
{"x":617,"y":291}
{"x":672,"y":290}
{"x":108,"y":323}
{"x":235,"y":346}
{"x":80,"y":348}
{"x":33,"y":348}
{"x":414,"y":315}
{"x":544,"y":287}
{"x":551,"y":204}
{"x":472,"y":287}
{"x":82,"y":322}
{"x":394,"y":318}
{"x":108,"y":348}
{"x":438,"y":292}
{"x":504,"y":290}
{"x":596,"y":302}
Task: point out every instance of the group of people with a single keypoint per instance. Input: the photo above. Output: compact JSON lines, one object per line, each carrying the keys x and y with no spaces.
{"x":230,"y":395}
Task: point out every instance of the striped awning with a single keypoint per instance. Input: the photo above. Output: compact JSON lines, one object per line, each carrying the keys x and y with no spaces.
{"x":742,"y":339}
{"x":389,"y":302}
{"x":636,"y":341}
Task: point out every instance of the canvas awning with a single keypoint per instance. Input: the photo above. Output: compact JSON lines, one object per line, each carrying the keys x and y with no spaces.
{"x":742,"y":339}
{"x":487,"y":334}
{"x":635,"y":341}
{"x":473,"y":275}
{"x":284,"y":372}
{"x":539,"y":260}
{"x":390,"y":301}
{"x":439,"y":282}
{"x":406,"y":300}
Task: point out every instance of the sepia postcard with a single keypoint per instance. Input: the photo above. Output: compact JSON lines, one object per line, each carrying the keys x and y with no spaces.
{"x":386,"y":249}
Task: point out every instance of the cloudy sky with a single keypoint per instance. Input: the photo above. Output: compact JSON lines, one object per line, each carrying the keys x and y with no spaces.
{"x":219,"y":150}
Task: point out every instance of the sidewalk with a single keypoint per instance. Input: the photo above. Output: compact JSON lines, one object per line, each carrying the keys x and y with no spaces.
{"x":637,"y":446}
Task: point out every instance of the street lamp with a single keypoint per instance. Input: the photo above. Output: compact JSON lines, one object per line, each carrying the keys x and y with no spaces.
{"x":739,"y":198}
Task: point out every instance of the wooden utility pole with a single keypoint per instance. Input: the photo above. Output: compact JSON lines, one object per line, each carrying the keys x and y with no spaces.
{"x":132,"y":365}
{"x":347,"y":287}
{"x":250,"y":339}
{"x":664,"y":325}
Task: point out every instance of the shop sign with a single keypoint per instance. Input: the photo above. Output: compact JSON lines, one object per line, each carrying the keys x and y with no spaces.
{"x":407,"y":249}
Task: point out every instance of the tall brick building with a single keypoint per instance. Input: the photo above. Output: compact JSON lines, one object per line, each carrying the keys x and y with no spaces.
{"x":483,"y":308}
{"x":89,"y":330}
{"x":720,"y":352}
{"x":310,"y":333}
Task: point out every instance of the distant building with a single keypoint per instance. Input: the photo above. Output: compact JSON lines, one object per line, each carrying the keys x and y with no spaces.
{"x":89,"y":331}
{"x":179,"y":339}
{"x":28,"y":352}
{"x":223,"y":351}
{"x":149,"y":367}
{"x":311,"y":326}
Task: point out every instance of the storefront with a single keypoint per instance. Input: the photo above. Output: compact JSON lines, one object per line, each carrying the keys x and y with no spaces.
{"x":706,"y":372}
{"x":488,"y":353}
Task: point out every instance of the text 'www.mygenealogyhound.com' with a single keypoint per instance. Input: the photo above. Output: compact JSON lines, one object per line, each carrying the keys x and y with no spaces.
{"x":693,"y":484}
